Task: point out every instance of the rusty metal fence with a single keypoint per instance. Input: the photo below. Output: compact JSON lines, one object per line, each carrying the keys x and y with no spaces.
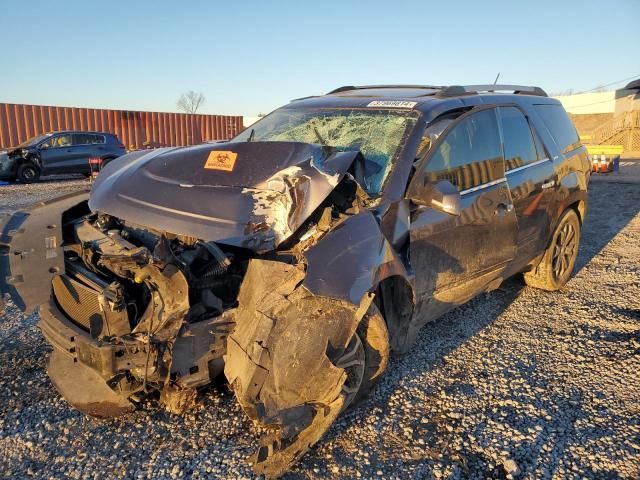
{"x":135,"y":129}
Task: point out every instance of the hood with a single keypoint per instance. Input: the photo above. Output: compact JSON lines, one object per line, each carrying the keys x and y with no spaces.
{"x":250,"y":194}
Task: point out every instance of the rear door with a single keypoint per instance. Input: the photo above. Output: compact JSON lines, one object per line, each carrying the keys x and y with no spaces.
{"x":456,"y":257}
{"x":531,"y":178}
{"x":85,"y":146}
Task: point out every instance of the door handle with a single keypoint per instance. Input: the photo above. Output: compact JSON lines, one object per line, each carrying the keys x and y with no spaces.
{"x":502,"y":209}
{"x":69,"y":150}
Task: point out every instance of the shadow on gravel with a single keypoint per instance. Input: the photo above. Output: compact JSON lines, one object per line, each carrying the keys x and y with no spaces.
{"x":604,"y":221}
{"x":48,"y":179}
{"x":435,"y":342}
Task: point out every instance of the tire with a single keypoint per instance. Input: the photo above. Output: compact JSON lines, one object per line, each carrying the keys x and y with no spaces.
{"x":28,"y":173}
{"x":105,"y":161}
{"x":375,"y":339}
{"x":558,"y":261}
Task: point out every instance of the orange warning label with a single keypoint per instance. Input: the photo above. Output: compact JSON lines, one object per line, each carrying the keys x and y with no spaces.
{"x":221,"y":160}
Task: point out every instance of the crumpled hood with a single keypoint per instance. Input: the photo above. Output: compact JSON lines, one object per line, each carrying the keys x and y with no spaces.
{"x":250,"y":194}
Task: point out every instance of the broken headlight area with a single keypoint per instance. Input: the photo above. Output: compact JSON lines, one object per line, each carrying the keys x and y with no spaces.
{"x":148,"y":313}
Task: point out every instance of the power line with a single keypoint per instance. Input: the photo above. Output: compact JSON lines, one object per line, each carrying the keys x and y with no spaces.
{"x":608,"y":84}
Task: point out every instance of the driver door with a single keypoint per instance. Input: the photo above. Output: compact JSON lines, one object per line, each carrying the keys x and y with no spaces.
{"x":57,"y":153}
{"x":455,"y":257}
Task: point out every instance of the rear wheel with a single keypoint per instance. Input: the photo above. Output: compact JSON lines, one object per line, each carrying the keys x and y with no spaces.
{"x":558,"y":261}
{"x":28,"y":173}
{"x":105,"y":161}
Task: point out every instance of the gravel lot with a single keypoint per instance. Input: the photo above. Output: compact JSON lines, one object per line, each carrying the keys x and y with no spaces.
{"x":517,"y":383}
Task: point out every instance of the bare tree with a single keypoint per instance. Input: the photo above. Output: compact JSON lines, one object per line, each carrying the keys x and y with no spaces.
{"x":190,"y":101}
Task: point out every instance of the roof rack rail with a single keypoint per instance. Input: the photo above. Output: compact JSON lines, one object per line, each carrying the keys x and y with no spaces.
{"x":457,"y":90}
{"x":347,"y":88}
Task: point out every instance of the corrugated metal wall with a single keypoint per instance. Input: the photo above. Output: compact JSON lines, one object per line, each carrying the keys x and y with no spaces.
{"x":135,"y":129}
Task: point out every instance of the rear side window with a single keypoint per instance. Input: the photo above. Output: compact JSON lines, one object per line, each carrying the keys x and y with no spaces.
{"x":560,"y":126}
{"x":81,"y":139}
{"x":470,"y":154}
{"x":87,"y":139}
{"x":519,"y":148}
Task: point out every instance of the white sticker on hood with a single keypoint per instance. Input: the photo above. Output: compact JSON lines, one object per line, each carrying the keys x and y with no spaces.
{"x":392,"y":104}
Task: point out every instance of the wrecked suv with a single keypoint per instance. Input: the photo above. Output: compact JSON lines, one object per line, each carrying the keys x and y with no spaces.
{"x":295,"y":257}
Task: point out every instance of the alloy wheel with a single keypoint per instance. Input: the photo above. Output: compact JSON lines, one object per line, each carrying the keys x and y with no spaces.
{"x":564,"y":250}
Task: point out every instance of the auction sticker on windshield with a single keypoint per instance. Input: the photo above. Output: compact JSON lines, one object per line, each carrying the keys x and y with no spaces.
{"x":392,"y":104}
{"x":221,"y":160}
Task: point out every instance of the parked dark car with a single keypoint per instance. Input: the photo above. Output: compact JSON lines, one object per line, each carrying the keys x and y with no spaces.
{"x":58,"y":153}
{"x":294,"y":258}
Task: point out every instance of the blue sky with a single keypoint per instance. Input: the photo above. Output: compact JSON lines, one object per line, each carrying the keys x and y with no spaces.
{"x":249,"y":57}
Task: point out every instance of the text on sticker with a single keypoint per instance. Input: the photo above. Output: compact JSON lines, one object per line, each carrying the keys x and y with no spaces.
{"x":392,"y":104}
{"x":221,"y":160}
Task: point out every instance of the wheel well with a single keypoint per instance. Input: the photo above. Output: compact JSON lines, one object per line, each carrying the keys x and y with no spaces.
{"x":395,"y":299}
{"x":579,"y":207}
{"x":31,"y":160}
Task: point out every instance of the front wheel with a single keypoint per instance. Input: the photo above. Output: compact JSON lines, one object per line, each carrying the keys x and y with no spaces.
{"x":558,"y":260}
{"x":375,"y":339}
{"x":28,"y":173}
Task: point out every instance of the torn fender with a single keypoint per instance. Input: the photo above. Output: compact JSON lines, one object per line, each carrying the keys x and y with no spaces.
{"x":351,"y":260}
{"x":31,"y":250}
{"x":281,"y":360}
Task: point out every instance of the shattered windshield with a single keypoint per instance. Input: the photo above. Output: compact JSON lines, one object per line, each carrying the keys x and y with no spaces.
{"x":378,"y":134}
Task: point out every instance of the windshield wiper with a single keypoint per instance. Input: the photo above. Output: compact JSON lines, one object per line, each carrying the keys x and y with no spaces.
{"x":320,"y":139}
{"x":252,"y":135}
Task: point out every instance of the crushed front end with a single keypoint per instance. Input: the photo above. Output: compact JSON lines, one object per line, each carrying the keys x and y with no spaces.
{"x":136,"y":314}
{"x":169,"y":275}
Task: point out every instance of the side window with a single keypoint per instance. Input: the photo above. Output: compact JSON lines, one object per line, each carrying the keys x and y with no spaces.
{"x":82,"y":139}
{"x":519,"y":148}
{"x":61,"y":141}
{"x":470,"y":154}
{"x":99,"y":139}
{"x":560,"y":126}
{"x":540,"y":149}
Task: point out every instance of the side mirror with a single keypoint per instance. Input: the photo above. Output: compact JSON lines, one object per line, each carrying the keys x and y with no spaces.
{"x":441,"y":195}
{"x":44,"y":146}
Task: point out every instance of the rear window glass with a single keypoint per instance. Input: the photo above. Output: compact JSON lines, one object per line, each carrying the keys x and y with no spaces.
{"x":560,"y":126}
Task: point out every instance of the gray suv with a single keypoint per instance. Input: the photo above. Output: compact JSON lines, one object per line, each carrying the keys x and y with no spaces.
{"x":58,"y":153}
{"x":294,"y":258}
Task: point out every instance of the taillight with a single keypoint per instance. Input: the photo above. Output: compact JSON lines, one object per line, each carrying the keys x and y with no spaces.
{"x":121,"y":145}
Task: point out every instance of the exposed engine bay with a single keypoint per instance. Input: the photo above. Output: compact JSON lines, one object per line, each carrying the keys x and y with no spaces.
{"x":265,"y":279}
{"x":129,"y":285}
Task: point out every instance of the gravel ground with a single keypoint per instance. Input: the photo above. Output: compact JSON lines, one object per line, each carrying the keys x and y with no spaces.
{"x":517,"y":383}
{"x":16,"y":196}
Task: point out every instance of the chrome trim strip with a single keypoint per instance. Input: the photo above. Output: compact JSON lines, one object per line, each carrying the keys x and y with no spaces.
{"x":484,"y":185}
{"x":532,"y":164}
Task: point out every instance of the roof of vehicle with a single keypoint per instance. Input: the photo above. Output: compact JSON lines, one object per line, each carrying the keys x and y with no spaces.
{"x":81,"y":131}
{"x":425,"y":98}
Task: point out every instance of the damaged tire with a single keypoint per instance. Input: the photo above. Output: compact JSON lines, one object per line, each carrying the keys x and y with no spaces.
{"x":375,"y":339}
